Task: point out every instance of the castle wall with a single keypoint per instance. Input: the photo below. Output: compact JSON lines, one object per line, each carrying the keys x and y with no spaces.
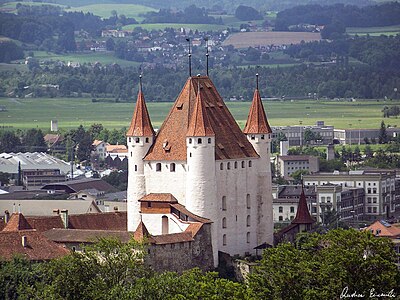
{"x":153,"y":223}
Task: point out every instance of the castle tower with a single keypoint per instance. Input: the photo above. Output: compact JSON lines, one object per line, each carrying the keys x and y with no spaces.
{"x":140,"y":137}
{"x":303,"y":217}
{"x":259,"y":134}
{"x":201,"y":187}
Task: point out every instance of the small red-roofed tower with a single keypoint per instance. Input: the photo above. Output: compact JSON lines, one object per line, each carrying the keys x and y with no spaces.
{"x":140,"y":137}
{"x":259,"y":134}
{"x":303,"y":217}
{"x":201,"y":186}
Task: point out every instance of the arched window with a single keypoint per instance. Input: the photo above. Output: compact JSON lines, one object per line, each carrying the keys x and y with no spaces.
{"x":221,"y":166}
{"x":248,"y":221}
{"x":223,"y":202}
{"x":172,"y":167}
{"x":248,"y":237}
{"x":242,"y":164}
{"x":209,"y":140}
{"x":164,"y":225}
{"x":199,"y":141}
{"x":147,"y":140}
{"x":224,"y":240}
{"x":235,"y":164}
{"x":262,"y":137}
{"x":158,"y":167}
{"x":228,"y":166}
{"x":248,"y":201}
{"x":224,"y":222}
{"x":135,"y":168}
{"x":250,"y":163}
{"x":131,"y":154}
{"x":253,"y":137}
{"x":137,"y":140}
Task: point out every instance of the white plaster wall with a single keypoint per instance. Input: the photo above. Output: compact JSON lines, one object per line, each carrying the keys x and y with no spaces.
{"x":286,"y":214}
{"x":166,"y":181}
{"x":153,"y":223}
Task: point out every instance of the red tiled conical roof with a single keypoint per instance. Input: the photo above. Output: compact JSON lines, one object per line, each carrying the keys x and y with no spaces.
{"x":17,"y":222}
{"x":141,"y":232}
{"x":257,"y":120}
{"x":199,"y":124}
{"x":170,"y":142}
{"x":303,"y":215}
{"x":140,"y":124}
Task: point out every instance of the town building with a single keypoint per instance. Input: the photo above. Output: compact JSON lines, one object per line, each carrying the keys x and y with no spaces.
{"x":34,"y":179}
{"x":353,"y":136}
{"x":201,"y":158}
{"x":289,"y":164}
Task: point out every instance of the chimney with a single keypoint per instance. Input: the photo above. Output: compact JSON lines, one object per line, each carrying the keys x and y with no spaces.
{"x":64,"y":217}
{"x":6,"y":216}
{"x":24,"y":241}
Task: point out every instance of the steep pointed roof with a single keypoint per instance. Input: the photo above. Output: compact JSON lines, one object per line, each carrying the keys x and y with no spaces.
{"x":199,"y":124}
{"x":17,"y":222}
{"x":140,"y":124}
{"x":303,"y":215}
{"x":257,"y":120}
{"x":141,"y":232}
{"x":170,"y":142}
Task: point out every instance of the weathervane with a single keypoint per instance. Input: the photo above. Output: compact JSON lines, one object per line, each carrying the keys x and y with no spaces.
{"x":190,"y":59}
{"x":207,"y":54}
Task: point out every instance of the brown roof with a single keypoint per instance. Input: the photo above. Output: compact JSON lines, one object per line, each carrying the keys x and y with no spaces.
{"x":382,"y":228}
{"x":116,"y":148}
{"x":84,"y":236}
{"x":99,"y":221}
{"x":172,"y":238}
{"x":159,"y":197}
{"x":183,"y":210}
{"x":257,"y":120}
{"x":97,"y":142}
{"x":17,"y":222}
{"x":141,"y":232}
{"x":140,"y":124}
{"x":199,"y":124}
{"x":194,"y":228}
{"x":303,"y":215}
{"x":230,"y":141}
{"x":43,"y":224}
{"x":295,"y":157}
{"x":37,"y":248}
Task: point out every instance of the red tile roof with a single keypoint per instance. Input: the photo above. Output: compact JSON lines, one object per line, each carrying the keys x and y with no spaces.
{"x":43,"y":224}
{"x":257,"y":120}
{"x":37,"y":248}
{"x":140,"y":124}
{"x":381,"y":228}
{"x":303,"y":215}
{"x":194,"y":228}
{"x":199,"y":124}
{"x":230,"y":141}
{"x":183,"y":210}
{"x":159,"y":197}
{"x":17,"y":222}
{"x":99,"y":221}
{"x":141,"y":232}
{"x":84,"y":236}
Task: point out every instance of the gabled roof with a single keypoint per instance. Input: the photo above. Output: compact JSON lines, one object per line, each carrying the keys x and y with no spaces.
{"x":140,"y":124}
{"x":257,"y":120}
{"x":17,"y":222}
{"x":99,"y":221}
{"x":141,"y":232}
{"x":159,"y":197}
{"x":383,"y":228}
{"x":170,"y":142}
{"x":199,"y":124}
{"x":303,"y":215}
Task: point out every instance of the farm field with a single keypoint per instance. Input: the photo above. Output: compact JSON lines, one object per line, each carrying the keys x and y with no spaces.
{"x":160,"y":26}
{"x":374,"y":31}
{"x":71,"y":112}
{"x":10,"y":7}
{"x":252,"y":39}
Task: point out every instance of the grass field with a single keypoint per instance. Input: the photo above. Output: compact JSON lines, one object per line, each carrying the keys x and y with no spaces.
{"x":160,"y":26}
{"x":10,"y":7}
{"x":374,"y":31}
{"x":71,"y":112}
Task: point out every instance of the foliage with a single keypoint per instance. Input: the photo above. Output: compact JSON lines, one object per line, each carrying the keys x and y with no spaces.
{"x":247,"y":13}
{"x":331,"y":165}
{"x":391,"y":111}
{"x":10,"y":51}
{"x":312,"y":268}
{"x":9,"y":142}
{"x":298,"y":176}
{"x":383,"y":137}
{"x":118,"y":179}
{"x":33,"y":141}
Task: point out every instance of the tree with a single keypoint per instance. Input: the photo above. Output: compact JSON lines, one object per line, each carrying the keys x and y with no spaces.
{"x":9,"y":142}
{"x":368,"y":151}
{"x":247,"y":13}
{"x":298,"y":176}
{"x":85,"y":147}
{"x":4,"y":178}
{"x":33,"y":140}
{"x":312,"y":268}
{"x":383,"y":137}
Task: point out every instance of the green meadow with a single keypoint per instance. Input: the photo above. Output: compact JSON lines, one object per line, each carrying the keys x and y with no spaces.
{"x":374,"y":31}
{"x":71,"y":112}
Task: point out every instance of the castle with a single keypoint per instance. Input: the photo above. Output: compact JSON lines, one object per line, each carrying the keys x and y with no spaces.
{"x":201,"y":170}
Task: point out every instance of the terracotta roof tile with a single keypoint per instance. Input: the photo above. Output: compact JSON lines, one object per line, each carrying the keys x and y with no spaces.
{"x":43,"y":224}
{"x":380,"y":228}
{"x":17,"y":222}
{"x":140,"y":124}
{"x":303,"y":215}
{"x":141,"y":232}
{"x":159,"y":197}
{"x":194,"y":228}
{"x":99,"y":221}
{"x":257,"y":120}
{"x":199,"y":124}
{"x":183,"y":210}
{"x":84,"y":236}
{"x":233,"y":143}
{"x":115,"y":148}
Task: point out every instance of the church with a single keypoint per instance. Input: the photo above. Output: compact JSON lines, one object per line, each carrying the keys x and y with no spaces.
{"x":200,"y":169}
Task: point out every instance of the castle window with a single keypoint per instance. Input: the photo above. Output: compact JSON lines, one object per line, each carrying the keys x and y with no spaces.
{"x":235,"y":164}
{"x":221,"y":166}
{"x":131,"y":154}
{"x":248,"y":201}
{"x":164,"y":225}
{"x":158,"y":167}
{"x":129,"y":139}
{"x":148,"y":204}
{"x":172,"y":167}
{"x":242,"y":164}
{"x":190,"y":154}
{"x":190,"y":141}
{"x":147,"y":140}
{"x":223,"y":222}
{"x":248,"y":237}
{"x":281,"y":209}
{"x":137,"y":140}
{"x":209,"y":140}
{"x":135,"y":168}
{"x":253,"y":137}
{"x":228,"y":166}
{"x":223,"y":202}
{"x":250,"y":164}
{"x":262,"y":137}
{"x":248,"y":221}
{"x":224,"y":240}
{"x":199,"y":140}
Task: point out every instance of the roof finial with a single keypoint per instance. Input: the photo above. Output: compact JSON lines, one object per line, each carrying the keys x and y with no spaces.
{"x":257,"y":81}
{"x":207,"y":54}
{"x":140,"y":83}
{"x":190,"y":59}
{"x":198,"y":83}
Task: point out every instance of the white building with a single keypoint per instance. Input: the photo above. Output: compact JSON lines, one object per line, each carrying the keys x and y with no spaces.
{"x":201,"y":158}
{"x":289,"y":164}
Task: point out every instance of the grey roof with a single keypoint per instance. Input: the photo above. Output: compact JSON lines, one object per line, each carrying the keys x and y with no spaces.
{"x":31,"y":160}
{"x":46,"y":207}
{"x":117,"y":196}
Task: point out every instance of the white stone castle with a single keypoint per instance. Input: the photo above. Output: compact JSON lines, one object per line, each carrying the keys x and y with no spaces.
{"x":202,"y":166}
